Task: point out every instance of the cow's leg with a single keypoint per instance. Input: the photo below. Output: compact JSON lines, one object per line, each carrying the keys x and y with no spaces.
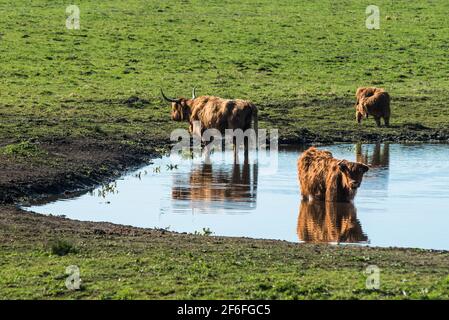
{"x":206,"y":153}
{"x":358,"y":116}
{"x":331,"y":195}
{"x":387,"y":121}
{"x":377,"y":119}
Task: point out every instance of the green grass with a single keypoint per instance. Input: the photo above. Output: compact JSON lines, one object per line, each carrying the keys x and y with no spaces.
{"x":174,"y":267}
{"x":24,"y":149}
{"x":61,"y":247}
{"x":300,"y":61}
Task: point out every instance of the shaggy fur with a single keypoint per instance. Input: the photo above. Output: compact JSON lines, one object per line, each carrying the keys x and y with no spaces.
{"x":365,"y":92}
{"x":322,"y":177}
{"x":375,"y":102}
{"x":329,"y":222}
{"x":216,"y":113}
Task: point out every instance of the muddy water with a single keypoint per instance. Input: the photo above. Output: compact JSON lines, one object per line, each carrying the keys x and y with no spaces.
{"x":403,"y":200}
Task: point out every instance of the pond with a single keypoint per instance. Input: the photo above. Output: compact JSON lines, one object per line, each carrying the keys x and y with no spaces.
{"x":403,"y":200}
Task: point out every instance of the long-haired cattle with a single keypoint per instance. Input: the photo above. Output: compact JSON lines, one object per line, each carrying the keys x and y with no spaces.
{"x":215,"y":113}
{"x":364,"y":92}
{"x":375,"y":102}
{"x":322,"y":177}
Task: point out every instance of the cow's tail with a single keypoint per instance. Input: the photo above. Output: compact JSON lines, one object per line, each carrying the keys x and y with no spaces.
{"x":255,"y":117}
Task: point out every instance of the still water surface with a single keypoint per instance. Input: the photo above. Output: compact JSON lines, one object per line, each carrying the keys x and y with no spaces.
{"x":403,"y":200}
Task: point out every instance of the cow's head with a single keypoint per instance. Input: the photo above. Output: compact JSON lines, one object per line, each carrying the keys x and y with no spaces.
{"x":362,"y":108}
{"x":352,"y":173}
{"x":180,"y":107}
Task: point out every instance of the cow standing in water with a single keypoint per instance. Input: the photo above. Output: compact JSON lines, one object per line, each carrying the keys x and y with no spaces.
{"x":216,"y":113}
{"x":324,"y":178}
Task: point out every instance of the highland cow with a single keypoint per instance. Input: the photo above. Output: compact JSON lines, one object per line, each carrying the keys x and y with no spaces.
{"x":365,"y":92}
{"x":320,"y":221}
{"x":324,"y":178}
{"x":375,"y":102}
{"x":215,"y":113}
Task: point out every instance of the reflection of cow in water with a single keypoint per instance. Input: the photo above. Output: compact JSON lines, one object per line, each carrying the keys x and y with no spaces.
{"x":379,"y":158}
{"x":236,"y":184}
{"x":320,"y":221}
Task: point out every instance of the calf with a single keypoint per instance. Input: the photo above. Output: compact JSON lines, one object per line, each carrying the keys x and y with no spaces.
{"x":365,"y":92}
{"x":375,"y":102}
{"x":322,"y":177}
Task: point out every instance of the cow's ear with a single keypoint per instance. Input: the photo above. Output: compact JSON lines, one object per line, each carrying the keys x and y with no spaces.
{"x":365,"y":168}
{"x":343,"y":165}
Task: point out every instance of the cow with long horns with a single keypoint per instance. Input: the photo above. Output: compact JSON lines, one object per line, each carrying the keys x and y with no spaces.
{"x":215,"y":113}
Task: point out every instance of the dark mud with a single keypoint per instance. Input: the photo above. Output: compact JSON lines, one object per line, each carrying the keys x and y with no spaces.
{"x":69,"y":165}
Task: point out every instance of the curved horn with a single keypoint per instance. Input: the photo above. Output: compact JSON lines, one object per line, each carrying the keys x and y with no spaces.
{"x":193,"y":93}
{"x":168,"y":99}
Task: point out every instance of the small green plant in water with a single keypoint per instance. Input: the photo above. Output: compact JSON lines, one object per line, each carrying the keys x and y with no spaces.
{"x":172,"y":166}
{"x":106,"y":189}
{"x":204,"y":232}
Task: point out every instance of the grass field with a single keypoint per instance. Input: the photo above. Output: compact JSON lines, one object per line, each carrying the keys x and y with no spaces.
{"x":299,"y":61}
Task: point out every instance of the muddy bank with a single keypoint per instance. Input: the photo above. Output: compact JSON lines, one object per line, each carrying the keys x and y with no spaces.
{"x":19,"y":226}
{"x":68,"y":165}
{"x":406,"y":134}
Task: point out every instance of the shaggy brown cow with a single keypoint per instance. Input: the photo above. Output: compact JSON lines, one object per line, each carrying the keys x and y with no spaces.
{"x":322,"y":177}
{"x":215,"y":113}
{"x":320,"y":221}
{"x":364,"y":92}
{"x":375,"y":102}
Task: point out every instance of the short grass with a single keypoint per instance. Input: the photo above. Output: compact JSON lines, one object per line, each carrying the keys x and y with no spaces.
{"x":202,"y":267}
{"x":24,"y":149}
{"x":300,"y":61}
